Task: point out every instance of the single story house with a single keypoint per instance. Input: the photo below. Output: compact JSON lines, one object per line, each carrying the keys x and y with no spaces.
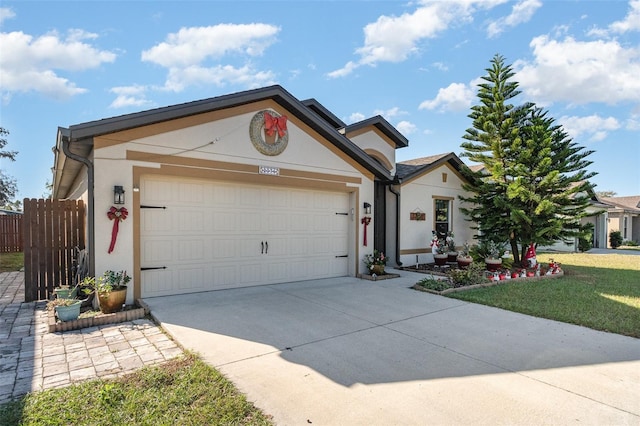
{"x":624,"y":216}
{"x":250,"y":188}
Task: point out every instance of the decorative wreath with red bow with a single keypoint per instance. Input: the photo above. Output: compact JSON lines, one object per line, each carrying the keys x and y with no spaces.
{"x":268,"y":132}
{"x":117,"y":215}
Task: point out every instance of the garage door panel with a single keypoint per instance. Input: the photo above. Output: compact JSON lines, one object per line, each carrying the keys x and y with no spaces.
{"x":192,"y":221}
{"x":223,"y":249}
{"x":276,"y":222}
{"x":211,"y":235}
{"x":191,"y":193}
{"x":157,"y":251}
{"x":191,"y":250}
{"x":224,"y":222}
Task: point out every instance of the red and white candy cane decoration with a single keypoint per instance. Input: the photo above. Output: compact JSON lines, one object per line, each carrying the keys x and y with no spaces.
{"x":365,"y":221}
{"x":116,"y":215}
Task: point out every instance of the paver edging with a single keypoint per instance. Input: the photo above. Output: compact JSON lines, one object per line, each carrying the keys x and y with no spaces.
{"x":100,"y":319}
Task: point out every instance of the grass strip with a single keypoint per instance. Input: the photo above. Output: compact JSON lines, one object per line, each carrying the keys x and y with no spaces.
{"x":598,"y":291}
{"x":184,"y":391}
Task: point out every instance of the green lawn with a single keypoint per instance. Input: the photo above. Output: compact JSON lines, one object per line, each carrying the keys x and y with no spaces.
{"x":11,"y":261}
{"x":598,"y":291}
{"x":181,"y":392}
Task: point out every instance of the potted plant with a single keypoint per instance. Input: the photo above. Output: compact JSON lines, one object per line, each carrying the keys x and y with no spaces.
{"x":493,"y":259}
{"x":441,"y":255}
{"x":87,"y":289}
{"x":464,"y":259}
{"x":65,"y":292}
{"x":375,"y":262}
{"x":452,"y":253}
{"x":111,"y":288}
{"x":66,"y":309}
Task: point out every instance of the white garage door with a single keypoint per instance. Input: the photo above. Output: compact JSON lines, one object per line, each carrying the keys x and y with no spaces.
{"x":199,"y":235}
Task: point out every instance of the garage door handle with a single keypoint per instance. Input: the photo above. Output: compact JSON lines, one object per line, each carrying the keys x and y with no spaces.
{"x":149,"y":268}
{"x":266,"y":244}
{"x":262,"y":250}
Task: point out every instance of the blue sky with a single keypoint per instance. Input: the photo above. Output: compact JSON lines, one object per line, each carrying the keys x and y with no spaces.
{"x":416,"y":63}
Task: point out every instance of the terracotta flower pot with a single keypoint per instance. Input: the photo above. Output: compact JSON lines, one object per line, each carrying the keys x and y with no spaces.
{"x":441,"y":259}
{"x":452,"y":256}
{"x":464,"y":262}
{"x":493,"y":264}
{"x":377,"y":269}
{"x":112,"y":301}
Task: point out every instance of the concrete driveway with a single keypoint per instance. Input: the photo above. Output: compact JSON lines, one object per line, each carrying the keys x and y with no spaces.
{"x":350,"y":351}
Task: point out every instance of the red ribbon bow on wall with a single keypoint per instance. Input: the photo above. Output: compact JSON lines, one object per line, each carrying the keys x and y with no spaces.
{"x":274,"y":124}
{"x":116,"y":215}
{"x":365,"y":221}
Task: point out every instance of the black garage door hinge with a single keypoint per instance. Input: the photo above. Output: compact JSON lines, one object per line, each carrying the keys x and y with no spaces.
{"x":344,"y":255}
{"x":153,"y":267}
{"x":152,"y":207}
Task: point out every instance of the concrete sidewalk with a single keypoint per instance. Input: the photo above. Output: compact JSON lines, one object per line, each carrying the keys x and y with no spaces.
{"x":31,"y":359}
{"x":349,"y":351}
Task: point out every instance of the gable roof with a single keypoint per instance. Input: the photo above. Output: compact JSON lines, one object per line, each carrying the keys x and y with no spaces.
{"x":313,"y":114}
{"x":383,"y":125}
{"x":407,"y":170}
{"x":630,"y":204}
{"x":326,"y":115}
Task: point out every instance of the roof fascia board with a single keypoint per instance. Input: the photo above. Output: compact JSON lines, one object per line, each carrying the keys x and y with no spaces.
{"x":384,"y":126}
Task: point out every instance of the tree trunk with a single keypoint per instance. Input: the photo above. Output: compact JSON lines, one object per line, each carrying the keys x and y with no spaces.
{"x":517,"y":258}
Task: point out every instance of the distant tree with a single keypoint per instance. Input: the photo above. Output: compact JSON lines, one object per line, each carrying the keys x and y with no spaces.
{"x":8,"y":185}
{"x":15,"y":206}
{"x":530,"y":190}
{"x":606,"y":194}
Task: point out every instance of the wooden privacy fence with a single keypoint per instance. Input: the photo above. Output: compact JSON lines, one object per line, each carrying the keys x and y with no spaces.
{"x":52,"y":229}
{"x":11,"y":233}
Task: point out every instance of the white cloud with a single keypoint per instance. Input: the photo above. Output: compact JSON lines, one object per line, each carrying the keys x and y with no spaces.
{"x":191,"y":46}
{"x":186,"y":55}
{"x":395,"y":38}
{"x":6,"y":13}
{"x":389,"y":113}
{"x":220,"y":75}
{"x":631,"y":22}
{"x":520,"y":13}
{"x":355,"y":117}
{"x":580,"y":72}
{"x":455,"y":97}
{"x":441,"y":66}
{"x":28,"y":63}
{"x":593,"y":128}
{"x":406,"y":127}
{"x":129,"y":96}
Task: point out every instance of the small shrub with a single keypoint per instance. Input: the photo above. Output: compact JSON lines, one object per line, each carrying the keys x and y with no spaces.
{"x":473,"y":275}
{"x":615,"y":239}
{"x":585,"y":244}
{"x":630,"y":243}
{"x":432,"y":283}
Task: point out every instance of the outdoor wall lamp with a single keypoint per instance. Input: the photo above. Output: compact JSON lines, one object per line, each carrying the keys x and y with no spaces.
{"x":367,"y":208}
{"x":118,"y":194}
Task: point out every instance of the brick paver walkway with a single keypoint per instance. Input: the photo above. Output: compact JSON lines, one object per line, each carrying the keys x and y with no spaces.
{"x":31,"y":359}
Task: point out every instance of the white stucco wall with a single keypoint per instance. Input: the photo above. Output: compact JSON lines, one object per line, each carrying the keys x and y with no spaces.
{"x":223,"y":140}
{"x":419,"y":195}
{"x":371,"y":140}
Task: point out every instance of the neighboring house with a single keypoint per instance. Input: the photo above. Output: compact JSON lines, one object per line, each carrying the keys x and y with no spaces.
{"x":5,"y":212}
{"x":213,"y":202}
{"x":624,"y":216}
{"x":430,"y":188}
{"x":597,"y":217}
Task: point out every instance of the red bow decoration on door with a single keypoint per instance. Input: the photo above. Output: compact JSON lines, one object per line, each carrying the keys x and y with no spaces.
{"x":116,"y":215}
{"x":365,"y":221}
{"x":274,"y":124}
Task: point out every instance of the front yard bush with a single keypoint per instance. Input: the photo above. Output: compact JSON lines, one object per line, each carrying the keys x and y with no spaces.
{"x":615,"y":239}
